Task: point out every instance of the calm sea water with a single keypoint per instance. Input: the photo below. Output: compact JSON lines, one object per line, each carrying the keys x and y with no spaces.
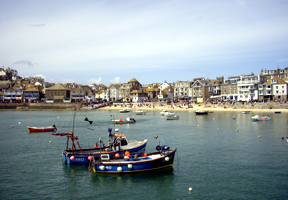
{"x":212,"y":157}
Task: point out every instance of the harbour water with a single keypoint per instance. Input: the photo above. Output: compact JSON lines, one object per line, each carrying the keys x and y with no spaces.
{"x":213,"y":158}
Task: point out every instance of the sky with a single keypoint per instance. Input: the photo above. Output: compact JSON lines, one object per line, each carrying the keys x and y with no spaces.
{"x":112,"y":41}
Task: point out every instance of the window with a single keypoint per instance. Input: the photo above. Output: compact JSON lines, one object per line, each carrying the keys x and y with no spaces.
{"x":276,"y":87}
{"x":282,"y":91}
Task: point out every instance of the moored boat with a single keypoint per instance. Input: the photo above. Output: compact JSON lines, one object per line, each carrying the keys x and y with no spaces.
{"x":246,"y":112}
{"x":118,"y":143}
{"x":174,"y":117}
{"x":124,"y":111}
{"x":163,"y":158}
{"x":201,"y":112}
{"x":258,"y":118}
{"x":169,"y":114}
{"x":140,"y":112}
{"x":42,"y":129}
{"x":163,"y":112}
{"x":125,"y":121}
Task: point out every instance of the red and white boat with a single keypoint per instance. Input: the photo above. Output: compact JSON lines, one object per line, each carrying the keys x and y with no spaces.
{"x":42,"y":129}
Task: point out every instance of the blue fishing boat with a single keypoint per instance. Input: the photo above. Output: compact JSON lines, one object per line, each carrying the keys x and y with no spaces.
{"x":163,"y":158}
{"x":118,"y":144}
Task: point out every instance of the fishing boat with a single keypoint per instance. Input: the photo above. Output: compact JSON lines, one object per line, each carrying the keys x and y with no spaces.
{"x":125,"y":121}
{"x":201,"y":112}
{"x":174,"y":117}
{"x":163,"y":158}
{"x":246,"y":112}
{"x":258,"y":118}
{"x":163,"y":112}
{"x":42,"y":129}
{"x":140,"y":112}
{"x":124,"y":111}
{"x":117,"y":143}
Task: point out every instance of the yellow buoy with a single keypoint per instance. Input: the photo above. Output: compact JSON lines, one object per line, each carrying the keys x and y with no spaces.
{"x":167,"y":159}
{"x":190,"y":189}
{"x":49,"y":141}
{"x":259,"y":136}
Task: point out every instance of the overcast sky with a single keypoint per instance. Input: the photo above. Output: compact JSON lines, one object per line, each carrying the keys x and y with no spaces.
{"x":151,"y":40}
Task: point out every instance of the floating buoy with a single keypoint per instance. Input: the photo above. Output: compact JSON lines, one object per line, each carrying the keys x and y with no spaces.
{"x":58,"y":116}
{"x":127,"y":153}
{"x":145,"y":154}
{"x":102,"y":167}
{"x":259,"y":136}
{"x":117,"y":155}
{"x":237,"y":130}
{"x":130,"y":166}
{"x":95,"y":146}
{"x":156,"y":136}
{"x":214,"y":118}
{"x":12,"y":126}
{"x":19,"y":122}
{"x":91,"y":113}
{"x":30,"y":116}
{"x":119,"y":169}
{"x":190,"y":189}
{"x":282,"y":138}
{"x":49,"y":141}
{"x":234,"y":118}
{"x":89,"y":157}
{"x":167,"y":159}
{"x":72,"y":158}
{"x":198,"y":125}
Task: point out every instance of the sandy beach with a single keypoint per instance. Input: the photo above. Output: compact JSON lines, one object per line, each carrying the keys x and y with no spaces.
{"x":238,"y":107}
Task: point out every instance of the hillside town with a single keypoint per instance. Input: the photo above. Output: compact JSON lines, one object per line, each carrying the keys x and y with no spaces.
{"x":268,"y":85}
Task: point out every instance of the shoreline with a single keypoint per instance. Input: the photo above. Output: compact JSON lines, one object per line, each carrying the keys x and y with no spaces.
{"x":214,"y":108}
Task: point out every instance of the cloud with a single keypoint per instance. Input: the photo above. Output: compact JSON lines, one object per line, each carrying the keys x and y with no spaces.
{"x":24,"y":62}
{"x":93,"y":80}
{"x":115,"y":80}
{"x":282,"y":60}
{"x":37,"y":25}
{"x":67,"y":80}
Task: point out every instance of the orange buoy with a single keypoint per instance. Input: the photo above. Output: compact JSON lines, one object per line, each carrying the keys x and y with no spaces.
{"x":72,"y":158}
{"x":117,"y":155}
{"x":145,"y":154}
{"x":89,"y":157}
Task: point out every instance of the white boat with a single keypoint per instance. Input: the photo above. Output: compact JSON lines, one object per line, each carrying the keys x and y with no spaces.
{"x":163,"y":112}
{"x":258,"y":118}
{"x":125,"y":121}
{"x":246,"y":112}
{"x":167,"y":114}
{"x":124,"y":111}
{"x":174,"y":117}
{"x":140,"y":112}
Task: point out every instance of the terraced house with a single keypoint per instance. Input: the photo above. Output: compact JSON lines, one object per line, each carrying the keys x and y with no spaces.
{"x":229,"y":89}
{"x":181,"y":89}
{"x":273,"y":89}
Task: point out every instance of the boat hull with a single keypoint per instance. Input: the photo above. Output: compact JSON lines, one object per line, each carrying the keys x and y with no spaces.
{"x":41,"y":129}
{"x":136,"y":165}
{"x":82,"y":158}
{"x":124,"y":121}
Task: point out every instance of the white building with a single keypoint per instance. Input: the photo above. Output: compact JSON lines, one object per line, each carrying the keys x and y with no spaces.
{"x":248,"y":87}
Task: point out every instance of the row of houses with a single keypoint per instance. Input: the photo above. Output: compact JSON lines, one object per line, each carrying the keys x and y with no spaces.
{"x":268,"y":85}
